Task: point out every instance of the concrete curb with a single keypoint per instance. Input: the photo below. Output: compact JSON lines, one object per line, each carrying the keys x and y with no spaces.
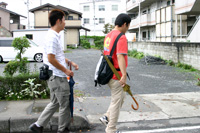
{"x":21,"y":124}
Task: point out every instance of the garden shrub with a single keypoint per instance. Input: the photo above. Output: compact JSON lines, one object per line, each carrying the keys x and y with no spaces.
{"x":86,"y":44}
{"x":98,"y":40}
{"x":11,"y":68}
{"x":134,"y":53}
{"x":11,"y":86}
{"x":19,"y":64}
{"x":99,"y":44}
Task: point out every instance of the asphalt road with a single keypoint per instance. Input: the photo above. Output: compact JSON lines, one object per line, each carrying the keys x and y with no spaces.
{"x":145,"y":79}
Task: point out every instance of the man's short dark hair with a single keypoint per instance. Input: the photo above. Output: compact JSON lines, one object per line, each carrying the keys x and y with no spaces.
{"x":121,"y":19}
{"x":54,"y":15}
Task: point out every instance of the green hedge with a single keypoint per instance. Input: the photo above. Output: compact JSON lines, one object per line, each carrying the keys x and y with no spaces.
{"x":99,"y":43}
{"x":11,"y":86}
{"x":98,"y":40}
{"x":134,"y":53}
{"x":85,"y":44}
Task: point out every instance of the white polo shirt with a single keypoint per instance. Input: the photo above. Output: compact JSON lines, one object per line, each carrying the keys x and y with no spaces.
{"x":53,"y":46}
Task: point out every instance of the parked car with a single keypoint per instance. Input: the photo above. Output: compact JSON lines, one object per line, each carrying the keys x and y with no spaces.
{"x":7,"y":51}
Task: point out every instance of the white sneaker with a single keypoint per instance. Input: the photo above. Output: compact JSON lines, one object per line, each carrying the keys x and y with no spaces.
{"x":104,"y":120}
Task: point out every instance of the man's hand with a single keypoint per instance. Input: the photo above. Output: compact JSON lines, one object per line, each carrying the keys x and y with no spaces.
{"x":69,"y":72}
{"x":75,"y":66}
{"x":122,"y":66}
{"x":122,"y":81}
{"x":71,"y":63}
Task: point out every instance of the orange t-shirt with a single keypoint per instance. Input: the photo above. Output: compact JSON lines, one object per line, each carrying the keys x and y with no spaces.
{"x":121,"y":48}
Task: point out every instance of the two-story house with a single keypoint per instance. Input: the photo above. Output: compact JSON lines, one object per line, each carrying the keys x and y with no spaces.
{"x":72,"y":20}
{"x":9,"y":21}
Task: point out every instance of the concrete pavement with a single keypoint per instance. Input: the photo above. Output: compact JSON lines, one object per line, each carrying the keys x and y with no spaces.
{"x":155,"y":111}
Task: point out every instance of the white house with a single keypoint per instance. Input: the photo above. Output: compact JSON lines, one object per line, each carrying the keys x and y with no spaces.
{"x":97,"y":13}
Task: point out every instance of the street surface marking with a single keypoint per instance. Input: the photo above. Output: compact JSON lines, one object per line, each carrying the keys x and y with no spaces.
{"x":164,"y":130}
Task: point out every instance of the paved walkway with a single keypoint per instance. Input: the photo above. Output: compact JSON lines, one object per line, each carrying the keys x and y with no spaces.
{"x":167,"y":97}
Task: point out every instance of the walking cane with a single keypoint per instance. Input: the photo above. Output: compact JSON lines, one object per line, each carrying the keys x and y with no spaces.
{"x":126,"y":88}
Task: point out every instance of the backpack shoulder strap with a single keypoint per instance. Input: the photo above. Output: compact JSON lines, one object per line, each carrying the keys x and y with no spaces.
{"x":115,"y":44}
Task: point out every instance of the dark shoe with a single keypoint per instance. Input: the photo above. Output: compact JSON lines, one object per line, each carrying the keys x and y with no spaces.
{"x":35,"y":129}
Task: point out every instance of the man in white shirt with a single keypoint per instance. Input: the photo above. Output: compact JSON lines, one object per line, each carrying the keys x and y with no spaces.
{"x":54,"y":57}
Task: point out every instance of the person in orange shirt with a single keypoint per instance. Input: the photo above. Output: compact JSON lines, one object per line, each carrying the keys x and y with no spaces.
{"x":120,"y":61}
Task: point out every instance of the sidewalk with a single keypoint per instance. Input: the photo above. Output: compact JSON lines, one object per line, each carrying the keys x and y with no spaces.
{"x":16,"y":116}
{"x":155,"y":111}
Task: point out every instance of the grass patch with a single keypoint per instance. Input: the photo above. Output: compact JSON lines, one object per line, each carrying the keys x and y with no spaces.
{"x":135,"y":54}
{"x":71,"y":47}
{"x":78,"y":93}
{"x":183,"y":66}
{"x":67,"y":51}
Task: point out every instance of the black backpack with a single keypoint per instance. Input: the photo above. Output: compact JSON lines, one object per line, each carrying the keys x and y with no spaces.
{"x":103,"y":72}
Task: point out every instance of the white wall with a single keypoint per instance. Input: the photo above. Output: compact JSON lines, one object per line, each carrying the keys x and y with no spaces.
{"x":38,"y":35}
{"x":194,"y":35}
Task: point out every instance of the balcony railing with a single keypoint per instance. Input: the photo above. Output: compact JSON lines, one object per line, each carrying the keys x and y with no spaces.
{"x":184,"y":6}
{"x":145,"y":20}
{"x":16,"y":26}
{"x":132,"y":4}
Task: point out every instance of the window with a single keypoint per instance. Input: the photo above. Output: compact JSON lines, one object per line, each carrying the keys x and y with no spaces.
{"x":86,"y":8}
{"x":149,"y":10}
{"x":29,"y":36}
{"x":101,"y":20}
{"x":114,"y":7}
{"x":173,"y":1}
{"x":0,"y":21}
{"x":168,"y":3}
{"x":6,"y":43}
{"x":113,"y":20}
{"x":144,"y":35}
{"x":101,"y":7}
{"x":70,"y":17}
{"x":144,"y":12}
{"x":133,"y":16}
{"x":86,"y":21}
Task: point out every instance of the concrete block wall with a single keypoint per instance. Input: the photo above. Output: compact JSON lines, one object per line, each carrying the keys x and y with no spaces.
{"x":188,"y":53}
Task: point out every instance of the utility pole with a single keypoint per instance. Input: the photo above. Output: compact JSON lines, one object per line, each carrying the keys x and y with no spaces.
{"x":27,"y":4}
{"x":139,"y":38}
{"x":94,"y":15}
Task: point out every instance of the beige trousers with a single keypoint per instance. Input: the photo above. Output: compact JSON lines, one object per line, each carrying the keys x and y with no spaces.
{"x":117,"y":99}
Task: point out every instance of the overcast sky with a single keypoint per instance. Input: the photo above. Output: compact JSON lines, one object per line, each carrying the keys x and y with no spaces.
{"x":20,"y":7}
